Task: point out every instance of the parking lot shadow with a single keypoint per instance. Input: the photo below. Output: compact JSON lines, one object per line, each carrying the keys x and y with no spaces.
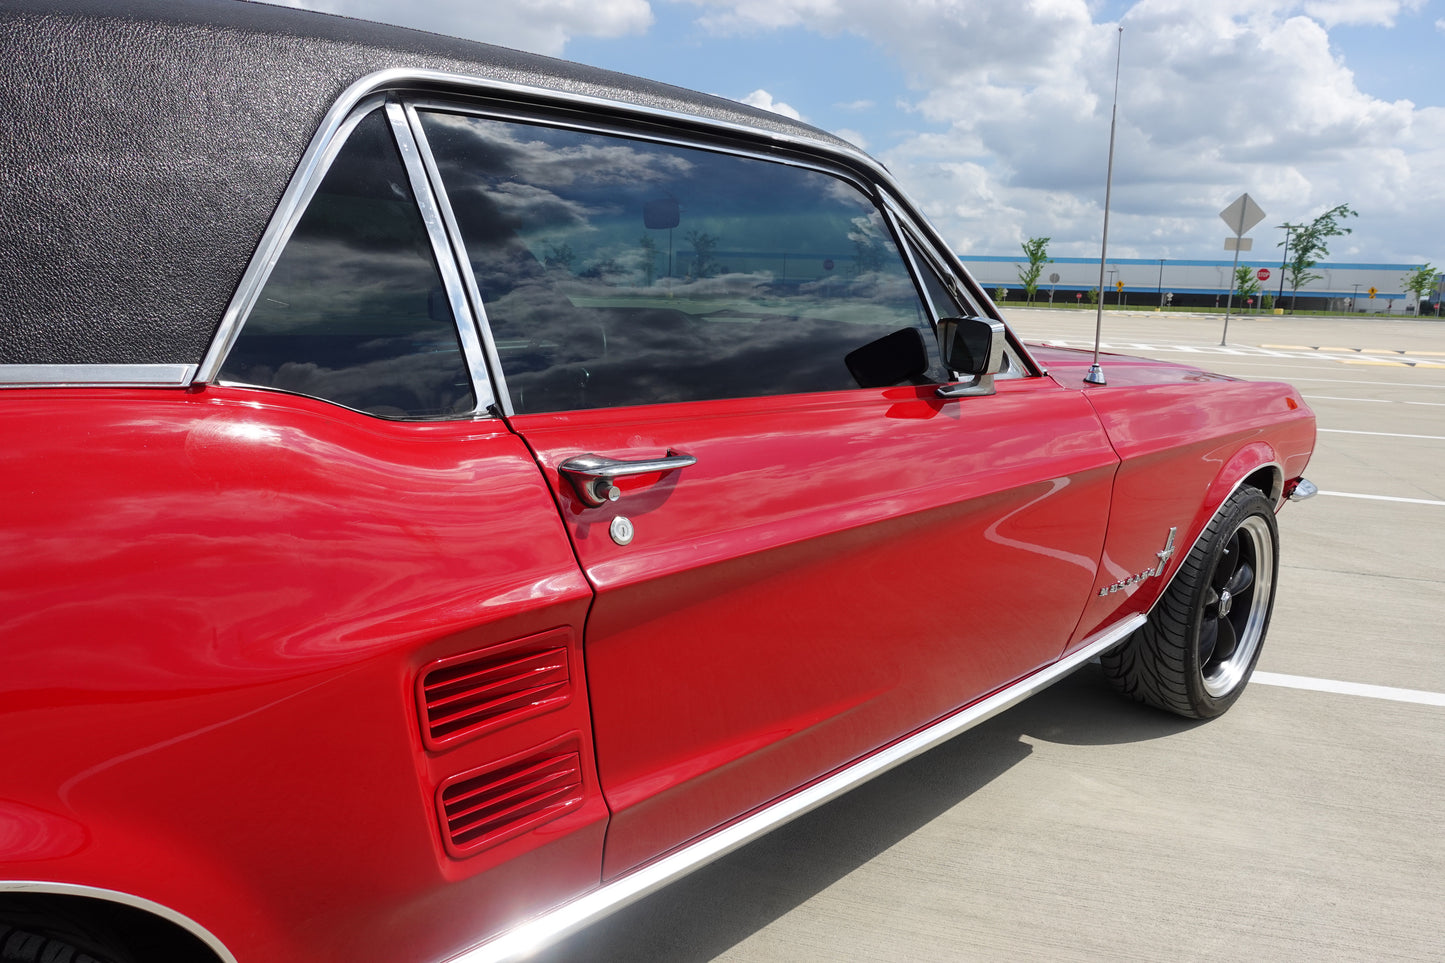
{"x":701,"y":916}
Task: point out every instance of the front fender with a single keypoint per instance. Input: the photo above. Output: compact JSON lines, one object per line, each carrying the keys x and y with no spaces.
{"x":1184,"y":447}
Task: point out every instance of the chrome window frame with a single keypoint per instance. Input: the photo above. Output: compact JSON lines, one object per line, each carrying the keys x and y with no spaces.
{"x":918,"y":235}
{"x":539,"y":116}
{"x":298,"y":198}
{"x":409,"y":84}
{"x":444,"y":253}
{"x":421,"y":85}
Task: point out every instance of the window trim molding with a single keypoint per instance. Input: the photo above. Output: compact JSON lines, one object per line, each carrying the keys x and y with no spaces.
{"x":96,"y":375}
{"x":429,"y":204}
{"x":422,"y":87}
{"x":416,"y":105}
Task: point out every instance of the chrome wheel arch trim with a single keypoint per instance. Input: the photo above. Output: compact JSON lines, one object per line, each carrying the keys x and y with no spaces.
{"x":531,"y":936}
{"x":1179,"y":557}
{"x":124,"y":899}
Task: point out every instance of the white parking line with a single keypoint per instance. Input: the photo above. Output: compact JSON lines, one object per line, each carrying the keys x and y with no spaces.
{"x":1351,"y":688}
{"x":1379,"y":434}
{"x":1376,"y":401}
{"x":1385,"y":498}
{"x":1352,"y":381}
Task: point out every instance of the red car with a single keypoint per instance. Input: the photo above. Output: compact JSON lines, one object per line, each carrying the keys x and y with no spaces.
{"x":449,"y":493}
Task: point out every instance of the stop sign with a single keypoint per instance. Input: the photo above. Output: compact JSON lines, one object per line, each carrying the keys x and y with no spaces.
{"x":1262,"y":274}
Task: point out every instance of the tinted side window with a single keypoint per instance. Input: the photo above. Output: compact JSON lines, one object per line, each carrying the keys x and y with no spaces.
{"x":354,"y":311}
{"x":616,"y":271}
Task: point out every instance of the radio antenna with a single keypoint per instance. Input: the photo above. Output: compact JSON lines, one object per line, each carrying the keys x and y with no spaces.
{"x":1096,"y":373}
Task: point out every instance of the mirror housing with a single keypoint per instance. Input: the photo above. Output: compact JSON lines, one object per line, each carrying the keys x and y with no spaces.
{"x":971,"y":346}
{"x":893,"y":359}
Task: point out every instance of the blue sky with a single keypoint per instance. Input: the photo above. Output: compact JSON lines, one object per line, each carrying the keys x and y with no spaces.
{"x":994,"y":114}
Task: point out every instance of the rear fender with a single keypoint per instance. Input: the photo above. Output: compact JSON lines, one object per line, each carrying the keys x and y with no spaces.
{"x":46,"y":853}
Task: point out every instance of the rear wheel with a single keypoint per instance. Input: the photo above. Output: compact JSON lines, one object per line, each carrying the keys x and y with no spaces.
{"x":45,"y":939}
{"x":1202,"y":640}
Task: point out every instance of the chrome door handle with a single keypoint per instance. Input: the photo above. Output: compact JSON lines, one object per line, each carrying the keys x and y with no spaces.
{"x":592,"y":474}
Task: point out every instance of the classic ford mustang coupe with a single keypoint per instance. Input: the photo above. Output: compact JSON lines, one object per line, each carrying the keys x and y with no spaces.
{"x":449,"y":493}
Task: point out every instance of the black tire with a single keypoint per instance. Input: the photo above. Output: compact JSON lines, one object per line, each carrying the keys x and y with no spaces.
{"x":41,"y":941}
{"x":1200,"y":645}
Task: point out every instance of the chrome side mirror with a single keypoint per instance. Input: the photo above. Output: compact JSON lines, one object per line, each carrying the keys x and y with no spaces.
{"x":971,"y":347}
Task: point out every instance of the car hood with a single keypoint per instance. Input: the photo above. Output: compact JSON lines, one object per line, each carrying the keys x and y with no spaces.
{"x":1069,"y":365}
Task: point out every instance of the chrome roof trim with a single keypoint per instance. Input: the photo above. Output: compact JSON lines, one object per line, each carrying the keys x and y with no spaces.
{"x":96,"y":375}
{"x":124,"y":899}
{"x":523,"y":940}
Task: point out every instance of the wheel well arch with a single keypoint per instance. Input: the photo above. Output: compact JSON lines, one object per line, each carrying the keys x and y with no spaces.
{"x":1269,"y":480}
{"x":1257,"y":465}
{"x":146,"y":930}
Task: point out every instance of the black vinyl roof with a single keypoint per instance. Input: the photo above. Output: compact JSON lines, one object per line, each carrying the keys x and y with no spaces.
{"x":148,"y":142}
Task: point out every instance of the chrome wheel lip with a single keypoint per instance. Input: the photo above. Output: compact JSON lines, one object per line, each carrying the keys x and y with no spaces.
{"x":1228,"y":674}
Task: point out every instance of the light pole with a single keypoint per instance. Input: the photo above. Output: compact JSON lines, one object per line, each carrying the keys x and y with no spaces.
{"x":1284,"y":260}
{"x":1161,"y":284}
{"x":1354,"y":296}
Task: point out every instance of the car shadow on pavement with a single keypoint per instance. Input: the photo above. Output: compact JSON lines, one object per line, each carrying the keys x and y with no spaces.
{"x":701,"y":916}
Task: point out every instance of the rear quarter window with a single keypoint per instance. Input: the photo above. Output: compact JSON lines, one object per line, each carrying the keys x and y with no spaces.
{"x":354,"y":311}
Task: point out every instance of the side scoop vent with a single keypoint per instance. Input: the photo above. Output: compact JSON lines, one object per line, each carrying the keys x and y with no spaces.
{"x":481,"y":809}
{"x":467,"y":695}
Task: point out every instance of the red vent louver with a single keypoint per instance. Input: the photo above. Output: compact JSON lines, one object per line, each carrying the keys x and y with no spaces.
{"x":466,"y":695}
{"x":481,"y":809}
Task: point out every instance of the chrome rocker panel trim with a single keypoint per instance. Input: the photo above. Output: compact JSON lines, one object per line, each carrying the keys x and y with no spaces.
{"x":526,"y":938}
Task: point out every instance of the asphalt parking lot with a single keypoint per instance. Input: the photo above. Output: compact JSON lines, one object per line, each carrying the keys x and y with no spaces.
{"x":1305,"y":824}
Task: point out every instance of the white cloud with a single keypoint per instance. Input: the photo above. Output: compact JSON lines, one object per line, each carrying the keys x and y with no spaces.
{"x":1372,"y":13}
{"x":1216,"y":98}
{"x":541,"y":26}
{"x":852,"y":136}
{"x":764,"y":101}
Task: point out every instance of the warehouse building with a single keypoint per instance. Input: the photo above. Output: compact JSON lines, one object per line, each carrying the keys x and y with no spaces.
{"x":1158,"y":282}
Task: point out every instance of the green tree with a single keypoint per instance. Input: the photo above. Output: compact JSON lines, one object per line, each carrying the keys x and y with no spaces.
{"x":703,"y":246}
{"x":649,"y":258}
{"x":1245,"y":283}
{"x":1308,"y":244}
{"x":1092,"y":295}
{"x":1000,"y":293}
{"x":1421,"y":281}
{"x":1036,"y":249}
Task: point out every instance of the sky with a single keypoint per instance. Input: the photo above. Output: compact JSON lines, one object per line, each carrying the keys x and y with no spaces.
{"x":994,"y":115}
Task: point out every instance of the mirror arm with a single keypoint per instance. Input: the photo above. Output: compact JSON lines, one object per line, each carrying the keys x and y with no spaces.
{"x":982,"y":383}
{"x":977,"y":386}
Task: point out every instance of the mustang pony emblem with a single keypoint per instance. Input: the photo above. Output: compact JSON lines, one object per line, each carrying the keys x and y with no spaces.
{"x":1164,"y":555}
